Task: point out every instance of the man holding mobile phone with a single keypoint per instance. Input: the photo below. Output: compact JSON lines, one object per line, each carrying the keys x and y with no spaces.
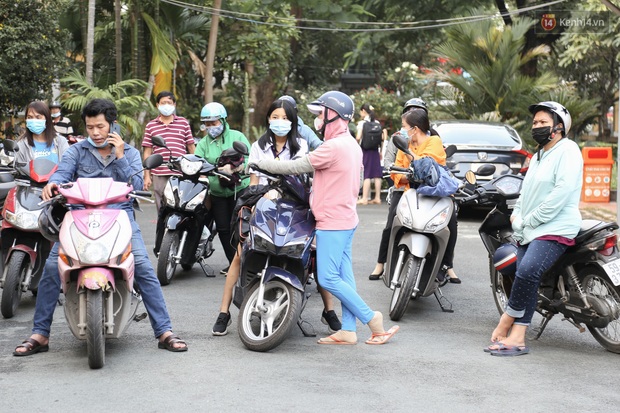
{"x":102,"y":154}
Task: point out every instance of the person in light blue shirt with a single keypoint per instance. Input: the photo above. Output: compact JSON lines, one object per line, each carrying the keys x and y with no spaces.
{"x":103,"y":154}
{"x":304,"y":130}
{"x":545,"y":221}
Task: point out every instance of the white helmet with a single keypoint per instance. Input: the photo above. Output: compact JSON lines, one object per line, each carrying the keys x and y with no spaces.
{"x":556,"y":109}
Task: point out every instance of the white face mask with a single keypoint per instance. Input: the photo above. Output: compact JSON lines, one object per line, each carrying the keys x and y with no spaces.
{"x":166,"y":110}
{"x":318,"y":124}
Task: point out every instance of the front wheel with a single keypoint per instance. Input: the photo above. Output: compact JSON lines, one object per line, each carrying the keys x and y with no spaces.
{"x":95,"y":340}
{"x":17,"y":267}
{"x":166,"y":263}
{"x":597,"y":283}
{"x":409,"y":273}
{"x":262,"y":329}
{"x":501,"y":286}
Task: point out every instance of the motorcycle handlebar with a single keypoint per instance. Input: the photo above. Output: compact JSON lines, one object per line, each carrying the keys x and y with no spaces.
{"x":399,"y":169}
{"x":143,"y":193}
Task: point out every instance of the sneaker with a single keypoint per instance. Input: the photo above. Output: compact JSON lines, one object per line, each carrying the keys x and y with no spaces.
{"x":330,"y":319}
{"x":224,"y":271}
{"x":220,"y":328}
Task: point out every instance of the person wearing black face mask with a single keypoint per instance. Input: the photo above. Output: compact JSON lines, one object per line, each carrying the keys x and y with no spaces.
{"x":545,"y":221}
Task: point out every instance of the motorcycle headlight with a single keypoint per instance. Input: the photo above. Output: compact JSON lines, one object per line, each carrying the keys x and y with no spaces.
{"x":190,"y":167}
{"x":293,"y":249}
{"x":438,"y":220}
{"x":94,"y":251}
{"x":262,"y":242}
{"x":169,"y":195}
{"x":24,"y":218}
{"x":404,"y":212}
{"x":197,"y":200}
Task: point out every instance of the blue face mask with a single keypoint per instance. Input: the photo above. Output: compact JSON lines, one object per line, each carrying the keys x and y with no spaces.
{"x":404,"y":132}
{"x":103,"y":145}
{"x":36,"y":126}
{"x":215,"y":131}
{"x":280,"y":127}
{"x":166,"y":110}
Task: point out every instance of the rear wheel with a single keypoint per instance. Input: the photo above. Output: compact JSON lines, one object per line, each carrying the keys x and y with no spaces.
{"x":95,"y":339}
{"x":266,"y":328}
{"x":166,"y":264}
{"x":17,"y":267}
{"x":597,"y":283}
{"x":501,"y":286}
{"x":409,"y":273}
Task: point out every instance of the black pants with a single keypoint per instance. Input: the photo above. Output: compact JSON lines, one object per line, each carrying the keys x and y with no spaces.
{"x":448,"y":257}
{"x":221,"y":211}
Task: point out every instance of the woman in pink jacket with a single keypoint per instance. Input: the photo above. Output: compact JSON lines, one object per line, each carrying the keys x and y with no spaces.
{"x":336,"y":165}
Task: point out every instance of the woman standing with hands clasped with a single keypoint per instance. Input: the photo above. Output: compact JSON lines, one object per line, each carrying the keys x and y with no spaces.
{"x":545,"y":221}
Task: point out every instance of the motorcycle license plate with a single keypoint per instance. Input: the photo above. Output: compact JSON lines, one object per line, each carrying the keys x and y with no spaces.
{"x":613,"y":271}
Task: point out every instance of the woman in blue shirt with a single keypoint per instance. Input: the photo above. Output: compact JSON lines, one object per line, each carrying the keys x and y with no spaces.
{"x":545,"y":221}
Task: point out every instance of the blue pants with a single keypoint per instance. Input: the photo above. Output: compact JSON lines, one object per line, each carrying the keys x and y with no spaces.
{"x":153,"y":299}
{"x":533,"y":260}
{"x":335,"y":274}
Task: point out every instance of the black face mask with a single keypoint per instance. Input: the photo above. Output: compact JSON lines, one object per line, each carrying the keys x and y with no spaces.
{"x":542,"y":136}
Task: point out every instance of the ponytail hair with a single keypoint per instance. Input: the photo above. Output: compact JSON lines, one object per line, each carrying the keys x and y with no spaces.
{"x":370,"y":110}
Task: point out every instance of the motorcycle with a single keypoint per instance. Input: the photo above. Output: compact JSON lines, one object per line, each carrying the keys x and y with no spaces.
{"x":417,"y":244}
{"x":583,"y":285}
{"x":185,"y":232}
{"x":277,"y":260}
{"x":95,"y":262}
{"x":7,"y":180}
{"x":24,"y":249}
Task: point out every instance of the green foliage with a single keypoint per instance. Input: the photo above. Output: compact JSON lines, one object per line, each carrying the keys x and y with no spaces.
{"x":33,"y":51}
{"x":128,"y":96}
{"x":387,"y":105}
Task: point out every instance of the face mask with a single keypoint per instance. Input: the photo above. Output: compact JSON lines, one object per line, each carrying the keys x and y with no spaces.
{"x":56,"y":115}
{"x":103,"y":145}
{"x":36,"y":126}
{"x":215,"y":131}
{"x":318,"y":124}
{"x":166,"y":110}
{"x":280,"y":127}
{"x":404,"y":132}
{"x":542,"y":136}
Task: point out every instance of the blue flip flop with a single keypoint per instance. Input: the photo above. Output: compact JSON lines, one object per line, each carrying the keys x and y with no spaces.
{"x":493,"y":343}
{"x":510,"y":351}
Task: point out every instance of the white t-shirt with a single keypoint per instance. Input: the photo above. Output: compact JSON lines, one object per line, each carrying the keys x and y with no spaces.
{"x":256,"y":153}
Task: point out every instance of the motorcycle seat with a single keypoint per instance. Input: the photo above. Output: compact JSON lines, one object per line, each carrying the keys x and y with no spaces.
{"x":590,"y":226}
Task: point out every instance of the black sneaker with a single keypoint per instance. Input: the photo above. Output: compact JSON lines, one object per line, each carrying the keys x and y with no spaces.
{"x":220,"y":328}
{"x":224,"y":271}
{"x":330,"y":319}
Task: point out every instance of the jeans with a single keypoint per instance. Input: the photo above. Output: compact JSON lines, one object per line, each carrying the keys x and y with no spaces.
{"x":533,"y":260}
{"x":335,"y":274}
{"x":153,"y":299}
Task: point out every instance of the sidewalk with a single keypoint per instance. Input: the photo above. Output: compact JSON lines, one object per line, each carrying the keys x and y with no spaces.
{"x":605,"y":211}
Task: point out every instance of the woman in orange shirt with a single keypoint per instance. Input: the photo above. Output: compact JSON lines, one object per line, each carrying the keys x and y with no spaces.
{"x":416,"y":127}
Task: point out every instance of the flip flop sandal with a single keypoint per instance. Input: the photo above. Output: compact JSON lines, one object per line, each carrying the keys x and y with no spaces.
{"x":32,"y":346}
{"x":170,"y":341}
{"x":493,"y":344}
{"x":510,"y":351}
{"x":386,"y":336}
{"x":331,"y":340}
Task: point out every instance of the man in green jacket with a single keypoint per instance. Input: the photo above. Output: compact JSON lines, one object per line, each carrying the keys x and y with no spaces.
{"x":218,"y":138}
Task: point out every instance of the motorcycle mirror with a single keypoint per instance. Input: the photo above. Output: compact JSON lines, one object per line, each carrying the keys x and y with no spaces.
{"x":401,"y":143}
{"x":9,"y":146}
{"x":485,"y":170}
{"x":450,"y":150}
{"x":241,"y":148}
{"x":470,"y":177}
{"x":159,"y":141}
{"x":153,"y":161}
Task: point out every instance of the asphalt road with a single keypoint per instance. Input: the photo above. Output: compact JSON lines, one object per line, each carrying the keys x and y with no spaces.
{"x":434,"y":364}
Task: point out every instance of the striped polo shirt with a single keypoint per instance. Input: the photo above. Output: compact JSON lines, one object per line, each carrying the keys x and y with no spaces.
{"x":177,"y":134}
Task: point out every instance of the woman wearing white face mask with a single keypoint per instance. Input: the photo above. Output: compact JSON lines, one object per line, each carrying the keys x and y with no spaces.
{"x":40,"y":138}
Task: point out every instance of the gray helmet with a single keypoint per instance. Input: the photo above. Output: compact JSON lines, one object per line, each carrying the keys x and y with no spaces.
{"x":558,"y":110}
{"x":414,"y":103}
{"x":337,"y":101}
{"x":55,"y":104}
{"x":289,"y":99}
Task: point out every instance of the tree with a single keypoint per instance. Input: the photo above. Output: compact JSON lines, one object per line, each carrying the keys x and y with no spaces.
{"x":33,"y":51}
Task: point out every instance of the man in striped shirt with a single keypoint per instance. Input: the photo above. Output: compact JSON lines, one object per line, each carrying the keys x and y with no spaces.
{"x":62,"y":125}
{"x":178,"y":136}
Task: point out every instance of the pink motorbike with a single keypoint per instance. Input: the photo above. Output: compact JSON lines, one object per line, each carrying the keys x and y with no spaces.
{"x":95,"y":262}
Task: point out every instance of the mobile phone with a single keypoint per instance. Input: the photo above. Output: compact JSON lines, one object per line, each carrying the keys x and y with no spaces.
{"x":115,"y":128}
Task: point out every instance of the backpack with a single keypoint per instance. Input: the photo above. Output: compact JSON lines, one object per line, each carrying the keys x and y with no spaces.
{"x":372,"y":135}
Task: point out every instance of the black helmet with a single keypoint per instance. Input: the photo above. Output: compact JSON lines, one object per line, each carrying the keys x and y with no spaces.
{"x":55,"y":104}
{"x":289,"y":99}
{"x":337,"y":101}
{"x":50,"y":221}
{"x":414,"y":103}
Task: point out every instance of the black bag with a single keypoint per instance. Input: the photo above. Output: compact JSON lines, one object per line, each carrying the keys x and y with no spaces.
{"x":372,"y":135}
{"x":234,"y":159}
